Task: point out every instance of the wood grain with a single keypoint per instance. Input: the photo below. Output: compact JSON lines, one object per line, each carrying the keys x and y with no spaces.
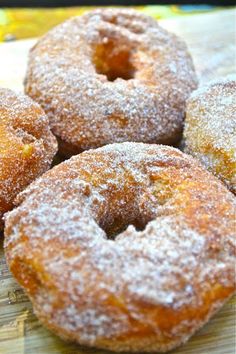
{"x":211,"y":40}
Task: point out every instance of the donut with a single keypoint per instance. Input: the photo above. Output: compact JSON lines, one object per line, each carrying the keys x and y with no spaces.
{"x":27,"y":146}
{"x":210,"y":128}
{"x":128,"y":247}
{"x":111,"y":75}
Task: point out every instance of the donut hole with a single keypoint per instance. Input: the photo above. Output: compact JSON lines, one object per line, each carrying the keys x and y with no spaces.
{"x":25,"y":137}
{"x":127,"y":23}
{"x":113,"y":61}
{"x":116,"y":229}
{"x":118,"y":223}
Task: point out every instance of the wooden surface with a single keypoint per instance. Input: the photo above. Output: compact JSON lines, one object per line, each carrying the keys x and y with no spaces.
{"x":211,"y":40}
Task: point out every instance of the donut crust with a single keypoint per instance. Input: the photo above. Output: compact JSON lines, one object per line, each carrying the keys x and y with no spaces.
{"x":129,"y":247}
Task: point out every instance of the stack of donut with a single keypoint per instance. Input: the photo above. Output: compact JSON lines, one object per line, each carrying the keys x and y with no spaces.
{"x":129,"y":246}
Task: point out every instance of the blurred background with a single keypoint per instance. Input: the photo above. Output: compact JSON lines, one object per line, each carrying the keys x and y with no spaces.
{"x":20,"y":19}
{"x":30,"y":3}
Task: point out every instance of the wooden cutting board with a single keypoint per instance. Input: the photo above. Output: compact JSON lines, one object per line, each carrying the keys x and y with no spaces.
{"x":211,"y":40}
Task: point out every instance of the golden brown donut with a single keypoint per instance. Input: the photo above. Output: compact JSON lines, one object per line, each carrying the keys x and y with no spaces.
{"x":127,"y":247}
{"x":27,"y":146}
{"x":111,"y":75}
{"x":210,"y":128}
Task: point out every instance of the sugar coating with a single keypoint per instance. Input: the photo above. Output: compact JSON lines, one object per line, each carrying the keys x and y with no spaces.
{"x":27,"y":146}
{"x":210,"y":128}
{"x":127,"y":247}
{"x":85,"y":109}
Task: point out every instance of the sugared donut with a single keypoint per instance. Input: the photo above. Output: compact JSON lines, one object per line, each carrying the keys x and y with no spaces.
{"x":210,"y":128}
{"x":27,"y":146}
{"x":127,"y":247}
{"x":111,"y":75}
